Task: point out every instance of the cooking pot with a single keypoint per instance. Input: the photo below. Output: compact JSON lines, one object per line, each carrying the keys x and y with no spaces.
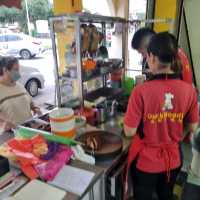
{"x":111,"y":144}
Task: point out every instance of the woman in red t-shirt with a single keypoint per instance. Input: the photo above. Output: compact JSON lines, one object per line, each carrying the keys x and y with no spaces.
{"x":160,"y":106}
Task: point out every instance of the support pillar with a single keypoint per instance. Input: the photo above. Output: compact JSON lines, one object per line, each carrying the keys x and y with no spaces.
{"x":67,"y":6}
{"x":166,"y":9}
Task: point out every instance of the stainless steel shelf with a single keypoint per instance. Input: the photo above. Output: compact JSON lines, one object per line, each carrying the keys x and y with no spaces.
{"x":100,"y":74}
{"x":108,"y":93}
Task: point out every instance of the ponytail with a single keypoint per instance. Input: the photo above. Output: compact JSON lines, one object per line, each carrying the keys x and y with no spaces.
{"x":176,"y":65}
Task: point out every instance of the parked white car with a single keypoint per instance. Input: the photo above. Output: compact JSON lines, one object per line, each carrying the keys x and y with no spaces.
{"x":32,"y":80}
{"x":19,"y":44}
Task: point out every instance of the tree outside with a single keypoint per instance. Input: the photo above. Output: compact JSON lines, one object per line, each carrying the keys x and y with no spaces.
{"x":38,"y":10}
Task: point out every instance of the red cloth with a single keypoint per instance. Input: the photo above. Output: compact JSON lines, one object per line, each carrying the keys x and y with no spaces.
{"x":162,"y":128}
{"x":23,"y":149}
{"x":136,"y":146}
{"x":186,"y":69}
{"x":32,"y":165}
{"x":26,"y":145}
{"x":11,"y":3}
{"x":50,"y":169}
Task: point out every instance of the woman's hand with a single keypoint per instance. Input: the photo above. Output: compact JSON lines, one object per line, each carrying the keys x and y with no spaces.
{"x":37,"y":111}
{"x":129,"y":132}
{"x":7,"y":125}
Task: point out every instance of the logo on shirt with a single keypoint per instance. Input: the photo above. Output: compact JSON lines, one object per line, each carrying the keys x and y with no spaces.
{"x":168,"y":102}
{"x":163,"y":116}
{"x":166,"y":113}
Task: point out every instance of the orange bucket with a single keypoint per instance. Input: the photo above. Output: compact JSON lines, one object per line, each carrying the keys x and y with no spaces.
{"x":62,"y":122}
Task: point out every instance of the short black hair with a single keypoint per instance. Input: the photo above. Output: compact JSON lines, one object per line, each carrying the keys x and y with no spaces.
{"x":103,"y":51}
{"x":140,"y":35}
{"x":164,"y":45}
{"x":6,"y":63}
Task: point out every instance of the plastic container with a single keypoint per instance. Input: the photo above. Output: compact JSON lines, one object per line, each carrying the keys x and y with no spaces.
{"x":89,"y":115}
{"x":139,"y":79}
{"x":128,"y":85}
{"x":62,"y":122}
{"x":89,"y":65}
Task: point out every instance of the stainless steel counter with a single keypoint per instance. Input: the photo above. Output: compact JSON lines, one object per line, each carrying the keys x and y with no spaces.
{"x":100,"y":169}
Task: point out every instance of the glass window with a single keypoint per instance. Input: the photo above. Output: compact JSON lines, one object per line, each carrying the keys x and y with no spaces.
{"x":137,"y":11}
{"x":2,"y":38}
{"x":11,"y":38}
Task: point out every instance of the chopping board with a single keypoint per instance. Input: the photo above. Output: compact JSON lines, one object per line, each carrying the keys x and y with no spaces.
{"x":111,"y":144}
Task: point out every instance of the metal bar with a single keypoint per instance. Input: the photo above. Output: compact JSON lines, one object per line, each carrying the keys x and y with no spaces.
{"x":56,"y":71}
{"x":92,"y":193}
{"x":104,"y":32}
{"x":27,"y":16}
{"x":167,"y":20}
{"x":150,"y":11}
{"x":99,"y":18}
{"x":79,"y":60}
{"x":63,"y":17}
{"x":85,"y":17}
{"x":104,"y":43}
{"x":125,"y":44}
{"x":134,"y":70}
{"x":180,"y":19}
{"x":189,"y":47}
{"x":147,"y":2}
{"x":91,"y":185}
{"x":103,"y":187}
{"x":104,"y":80}
{"x":171,"y":22}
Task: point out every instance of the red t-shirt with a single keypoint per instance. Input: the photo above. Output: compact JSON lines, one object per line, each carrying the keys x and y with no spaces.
{"x":162,"y":105}
{"x":186,"y":69}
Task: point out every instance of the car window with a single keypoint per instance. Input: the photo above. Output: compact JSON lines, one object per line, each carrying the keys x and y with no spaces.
{"x":2,"y":38}
{"x":11,"y":38}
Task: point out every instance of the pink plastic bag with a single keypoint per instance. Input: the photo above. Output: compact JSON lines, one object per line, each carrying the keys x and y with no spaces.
{"x":47,"y":171}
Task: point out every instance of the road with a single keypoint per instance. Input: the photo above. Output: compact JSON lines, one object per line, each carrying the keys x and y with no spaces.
{"x":45,"y":64}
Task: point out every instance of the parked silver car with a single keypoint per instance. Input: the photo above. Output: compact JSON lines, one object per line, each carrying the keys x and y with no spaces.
{"x":32,"y":80}
{"x":19,"y":44}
